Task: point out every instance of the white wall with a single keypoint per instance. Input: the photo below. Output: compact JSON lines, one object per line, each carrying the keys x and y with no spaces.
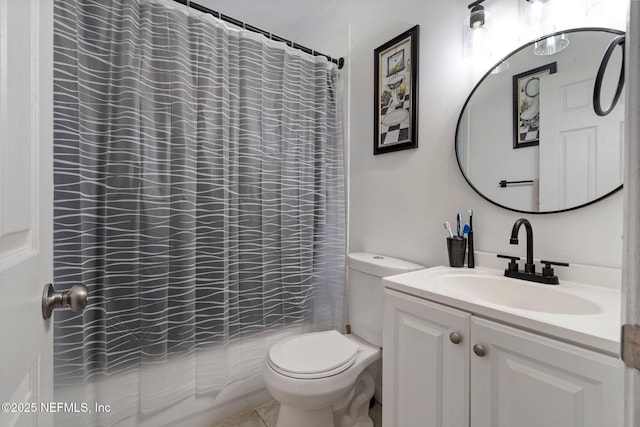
{"x":398,"y":201}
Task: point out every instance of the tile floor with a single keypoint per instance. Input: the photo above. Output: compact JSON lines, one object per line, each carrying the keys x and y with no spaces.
{"x":266,"y":415}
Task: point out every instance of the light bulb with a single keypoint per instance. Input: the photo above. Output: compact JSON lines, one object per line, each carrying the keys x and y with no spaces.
{"x":478,"y":38}
{"x":534,"y":18}
{"x":476,"y":33}
{"x":551,"y":45}
{"x":503,"y":66}
{"x":535,"y":12}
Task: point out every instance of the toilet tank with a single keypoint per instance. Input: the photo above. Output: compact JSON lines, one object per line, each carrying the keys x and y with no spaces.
{"x":365,"y":291}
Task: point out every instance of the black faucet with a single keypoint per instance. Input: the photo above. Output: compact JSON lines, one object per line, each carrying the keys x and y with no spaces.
{"x":547,"y":276}
{"x":529,"y":266}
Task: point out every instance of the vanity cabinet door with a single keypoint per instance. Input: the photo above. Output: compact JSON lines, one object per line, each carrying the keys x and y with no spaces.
{"x":425,"y":374}
{"x":526,"y":380}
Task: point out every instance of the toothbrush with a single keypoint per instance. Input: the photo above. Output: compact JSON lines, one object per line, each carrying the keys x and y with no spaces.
{"x":466,"y":229}
{"x":471,"y":261}
{"x":447,"y":227}
{"x":458,"y":221}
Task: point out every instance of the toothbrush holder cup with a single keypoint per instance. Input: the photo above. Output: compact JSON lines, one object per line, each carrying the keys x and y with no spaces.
{"x":456,"y":249}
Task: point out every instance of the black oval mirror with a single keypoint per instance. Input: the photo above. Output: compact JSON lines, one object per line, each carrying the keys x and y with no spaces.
{"x":528,"y":138}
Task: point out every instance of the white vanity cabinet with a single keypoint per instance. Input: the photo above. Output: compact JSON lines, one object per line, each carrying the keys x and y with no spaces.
{"x":425,"y":376}
{"x":527,"y":380}
{"x":495,"y":376}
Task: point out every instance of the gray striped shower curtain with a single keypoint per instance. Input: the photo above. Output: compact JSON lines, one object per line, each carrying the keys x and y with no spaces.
{"x":199,"y":195}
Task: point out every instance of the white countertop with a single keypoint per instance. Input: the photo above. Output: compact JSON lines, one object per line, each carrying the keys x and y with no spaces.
{"x":599,"y":330}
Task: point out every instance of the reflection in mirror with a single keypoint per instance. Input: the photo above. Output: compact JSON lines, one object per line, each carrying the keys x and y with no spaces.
{"x":528,"y":138}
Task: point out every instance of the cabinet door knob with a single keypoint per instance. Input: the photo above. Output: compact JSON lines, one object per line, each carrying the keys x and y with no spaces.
{"x":455,"y":337}
{"x":479,"y":350}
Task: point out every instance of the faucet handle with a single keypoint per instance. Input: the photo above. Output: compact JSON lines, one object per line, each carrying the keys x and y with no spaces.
{"x":547,"y":271}
{"x":513,"y":258}
{"x":550,"y":263}
{"x":513,"y":263}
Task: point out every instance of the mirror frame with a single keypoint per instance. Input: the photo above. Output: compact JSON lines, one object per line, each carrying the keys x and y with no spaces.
{"x":524,"y":46}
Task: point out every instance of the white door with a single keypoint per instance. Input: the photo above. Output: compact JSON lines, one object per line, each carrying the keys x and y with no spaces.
{"x":631,"y":247}
{"x":580,"y":153}
{"x":527,"y":380}
{"x":26,"y":187}
{"x":425,"y":367}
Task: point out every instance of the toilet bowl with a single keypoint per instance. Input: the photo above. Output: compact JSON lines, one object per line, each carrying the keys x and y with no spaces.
{"x":313,"y":375}
{"x":326,"y":379}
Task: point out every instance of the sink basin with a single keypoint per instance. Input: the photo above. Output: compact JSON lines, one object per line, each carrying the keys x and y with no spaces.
{"x":517,"y":294}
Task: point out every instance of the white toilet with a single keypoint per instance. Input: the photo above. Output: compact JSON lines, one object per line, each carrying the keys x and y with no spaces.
{"x":321,"y":378}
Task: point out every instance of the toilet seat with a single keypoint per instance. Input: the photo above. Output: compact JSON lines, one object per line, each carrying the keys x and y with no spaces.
{"x":313,"y":355}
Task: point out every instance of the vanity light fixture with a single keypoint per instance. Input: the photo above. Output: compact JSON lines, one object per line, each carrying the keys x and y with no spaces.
{"x":476,"y":33}
{"x":550,"y":45}
{"x":534,"y":16}
{"x":503,"y":66}
{"x":476,"y":17}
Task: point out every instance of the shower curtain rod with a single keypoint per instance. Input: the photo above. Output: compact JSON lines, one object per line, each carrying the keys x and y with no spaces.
{"x":339,"y":62}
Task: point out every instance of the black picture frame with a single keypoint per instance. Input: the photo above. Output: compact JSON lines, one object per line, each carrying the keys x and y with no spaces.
{"x":526,"y":110}
{"x":395,"y":93}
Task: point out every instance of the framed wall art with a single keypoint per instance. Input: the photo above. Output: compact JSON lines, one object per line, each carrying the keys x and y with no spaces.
{"x":526,"y":105}
{"x":395,"y":91}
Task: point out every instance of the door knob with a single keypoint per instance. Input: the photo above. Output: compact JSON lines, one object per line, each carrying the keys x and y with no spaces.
{"x":75,"y":298}
{"x":455,"y":337}
{"x":479,"y":350}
